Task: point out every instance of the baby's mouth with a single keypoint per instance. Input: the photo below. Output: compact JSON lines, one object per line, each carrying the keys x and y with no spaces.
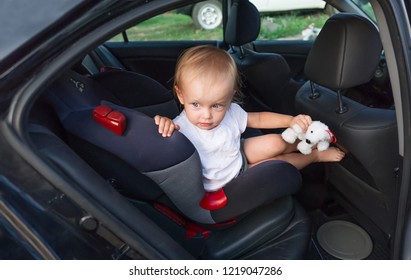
{"x":204,"y":124}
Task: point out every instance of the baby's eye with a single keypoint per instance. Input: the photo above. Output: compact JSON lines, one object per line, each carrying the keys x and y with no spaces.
{"x":196,"y":105}
{"x":216,"y":106}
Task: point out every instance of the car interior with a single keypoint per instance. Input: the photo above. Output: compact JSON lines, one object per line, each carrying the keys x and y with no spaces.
{"x":95,"y":125}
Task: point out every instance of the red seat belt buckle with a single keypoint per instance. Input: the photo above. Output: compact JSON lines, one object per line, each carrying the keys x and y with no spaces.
{"x":196,"y":231}
{"x":113,"y":120}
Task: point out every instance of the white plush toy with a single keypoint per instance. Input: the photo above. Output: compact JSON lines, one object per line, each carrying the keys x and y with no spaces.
{"x":292,"y":133}
{"x":317,"y":134}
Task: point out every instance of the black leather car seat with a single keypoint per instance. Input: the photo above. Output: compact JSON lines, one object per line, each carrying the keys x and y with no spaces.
{"x":345,"y":55}
{"x":266,"y":76}
{"x":162,"y":176}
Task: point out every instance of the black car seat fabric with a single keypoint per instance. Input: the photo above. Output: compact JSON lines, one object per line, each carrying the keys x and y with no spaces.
{"x":138,"y":92}
{"x":344,"y":55}
{"x":172,"y":163}
{"x":266,"y":75}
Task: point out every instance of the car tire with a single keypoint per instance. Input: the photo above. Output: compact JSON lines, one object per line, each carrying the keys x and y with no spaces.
{"x":208,"y":14}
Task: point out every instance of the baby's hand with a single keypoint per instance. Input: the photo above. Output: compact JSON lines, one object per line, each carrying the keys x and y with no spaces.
{"x":303,"y":121}
{"x":165,"y":126}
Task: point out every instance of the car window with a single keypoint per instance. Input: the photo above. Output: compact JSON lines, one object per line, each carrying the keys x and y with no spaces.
{"x":291,"y":20}
{"x":301,"y":24}
{"x":201,"y":21}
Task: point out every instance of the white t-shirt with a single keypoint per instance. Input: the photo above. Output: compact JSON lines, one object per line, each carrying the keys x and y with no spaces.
{"x":219,"y":148}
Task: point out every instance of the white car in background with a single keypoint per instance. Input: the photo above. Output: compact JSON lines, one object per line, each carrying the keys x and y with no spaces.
{"x":287,"y":5}
{"x":209,"y":15}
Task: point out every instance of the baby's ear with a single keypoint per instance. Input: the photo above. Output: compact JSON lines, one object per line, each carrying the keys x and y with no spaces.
{"x":179,"y":95}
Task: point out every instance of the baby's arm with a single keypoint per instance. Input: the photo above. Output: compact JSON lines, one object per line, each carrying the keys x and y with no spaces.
{"x":275,"y":120}
{"x":166,"y":126}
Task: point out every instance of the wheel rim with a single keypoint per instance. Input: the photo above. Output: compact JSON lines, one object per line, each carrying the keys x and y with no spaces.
{"x":209,"y":16}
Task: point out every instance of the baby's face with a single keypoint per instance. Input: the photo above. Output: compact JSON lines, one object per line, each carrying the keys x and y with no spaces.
{"x":206,"y":103}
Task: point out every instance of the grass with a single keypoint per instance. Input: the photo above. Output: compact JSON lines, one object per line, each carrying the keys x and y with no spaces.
{"x":171,"y":26}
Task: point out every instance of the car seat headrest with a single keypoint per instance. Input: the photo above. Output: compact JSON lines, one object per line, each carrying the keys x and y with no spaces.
{"x":239,"y":31}
{"x":345,"y":53}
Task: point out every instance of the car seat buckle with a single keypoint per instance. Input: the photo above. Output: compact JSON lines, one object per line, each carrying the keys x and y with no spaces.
{"x":170,"y":214}
{"x":194,"y":230}
{"x":214,"y":200}
{"x":114,"y":121}
{"x":109,"y":68}
{"x":226,"y":224}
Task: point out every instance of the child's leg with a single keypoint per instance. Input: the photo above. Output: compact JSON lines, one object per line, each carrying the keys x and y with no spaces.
{"x":272,"y":146}
{"x":265,"y":147}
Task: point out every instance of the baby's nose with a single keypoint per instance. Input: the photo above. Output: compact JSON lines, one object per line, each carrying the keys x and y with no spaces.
{"x":206,"y":114}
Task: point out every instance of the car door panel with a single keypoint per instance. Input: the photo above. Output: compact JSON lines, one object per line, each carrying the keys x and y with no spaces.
{"x":154,"y":59}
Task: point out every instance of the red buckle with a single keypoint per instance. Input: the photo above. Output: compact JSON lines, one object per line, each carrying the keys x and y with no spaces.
{"x":193,"y":230}
{"x":214,"y":200}
{"x":170,"y":214}
{"x":226,"y":223}
{"x":110,"y":119}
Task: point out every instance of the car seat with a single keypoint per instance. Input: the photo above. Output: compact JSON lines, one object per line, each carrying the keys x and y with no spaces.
{"x":345,"y":55}
{"x":162,"y":176}
{"x":266,"y":76}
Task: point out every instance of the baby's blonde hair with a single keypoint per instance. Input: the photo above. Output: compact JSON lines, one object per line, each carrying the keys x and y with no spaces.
{"x":207,"y":60}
